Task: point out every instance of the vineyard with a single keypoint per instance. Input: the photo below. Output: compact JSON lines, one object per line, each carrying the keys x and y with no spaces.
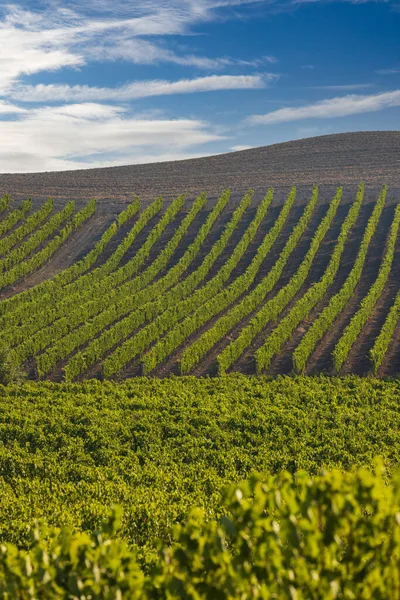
{"x":176,"y":458}
{"x":270,"y":284}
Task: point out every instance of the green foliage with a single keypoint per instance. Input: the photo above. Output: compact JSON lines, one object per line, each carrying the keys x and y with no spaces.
{"x":160,"y":447}
{"x":5,"y":202}
{"x":162,"y":301}
{"x":381,"y":345}
{"x":335,"y":536}
{"x":10,"y":372}
{"x":129,"y":212}
{"x":184,"y":297}
{"x":63,"y":283}
{"x":66,"y":340}
{"x":338,"y":302}
{"x":210,"y":307}
{"x":314,"y":294}
{"x":368,"y":303}
{"x":15,"y":216}
{"x":74,"y":305}
{"x":51,"y":226}
{"x":24,"y":267}
{"x":27,"y":227}
{"x":193,"y":354}
{"x":62,"y":565}
{"x":147,"y":314}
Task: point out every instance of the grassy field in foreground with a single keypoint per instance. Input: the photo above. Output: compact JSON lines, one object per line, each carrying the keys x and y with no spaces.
{"x":336,"y":536}
{"x":175,"y":462}
{"x":68,"y":452}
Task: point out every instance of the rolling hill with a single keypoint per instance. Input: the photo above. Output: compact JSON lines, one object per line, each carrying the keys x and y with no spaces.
{"x":347,"y":158}
{"x":296,"y":278}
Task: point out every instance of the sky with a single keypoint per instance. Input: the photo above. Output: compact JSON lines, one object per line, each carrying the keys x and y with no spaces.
{"x":92,"y":83}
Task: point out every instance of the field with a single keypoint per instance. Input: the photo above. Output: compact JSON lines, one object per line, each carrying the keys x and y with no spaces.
{"x":279,"y":285}
{"x":200,"y":376}
{"x":161,"y":448}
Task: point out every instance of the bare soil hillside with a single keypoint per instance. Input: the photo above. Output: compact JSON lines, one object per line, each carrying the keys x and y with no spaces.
{"x":348,"y":158}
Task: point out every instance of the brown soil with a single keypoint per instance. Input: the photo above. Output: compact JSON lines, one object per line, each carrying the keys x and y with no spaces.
{"x":372,"y":157}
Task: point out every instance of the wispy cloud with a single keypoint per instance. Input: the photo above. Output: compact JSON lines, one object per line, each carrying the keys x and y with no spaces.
{"x":140,"y":89}
{"x":334,"y":107}
{"x":240,"y":147}
{"x":393,"y":71}
{"x":110,"y":136}
{"x":72,"y":36}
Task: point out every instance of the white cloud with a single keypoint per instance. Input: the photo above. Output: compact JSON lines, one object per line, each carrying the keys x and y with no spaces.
{"x":76,"y":135}
{"x":139,"y":89}
{"x":334,"y":107}
{"x":47,"y":40}
{"x":55,"y":35}
{"x":6,"y":108}
{"x":240,"y":147}
{"x":24,"y":52}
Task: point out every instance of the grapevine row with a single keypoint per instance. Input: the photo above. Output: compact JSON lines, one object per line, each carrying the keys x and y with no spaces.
{"x":338,"y":302}
{"x":128,"y":293}
{"x":129,"y":212}
{"x":38,"y":259}
{"x":76,"y":306}
{"x":69,"y":282}
{"x":26,"y":228}
{"x":68,"y":275}
{"x":14,"y":217}
{"x":4,"y":202}
{"x":210,"y":305}
{"x":194,"y":353}
{"x":32,"y":243}
{"x":75,"y":312}
{"x":310,"y":299}
{"x":120,"y":330}
{"x":85,"y":290}
{"x":353,"y":329}
{"x":381,"y":345}
{"x":274,"y":306}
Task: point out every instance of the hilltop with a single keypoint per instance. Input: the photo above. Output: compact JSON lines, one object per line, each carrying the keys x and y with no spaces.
{"x":347,"y":158}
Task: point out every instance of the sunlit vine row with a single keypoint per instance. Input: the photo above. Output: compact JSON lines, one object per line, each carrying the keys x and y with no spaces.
{"x":212,"y":306}
{"x":150,"y":310}
{"x":337,"y":303}
{"x":314,"y":294}
{"x":194,"y":353}
{"x":276,"y":305}
{"x":14,"y":217}
{"x":353,"y":329}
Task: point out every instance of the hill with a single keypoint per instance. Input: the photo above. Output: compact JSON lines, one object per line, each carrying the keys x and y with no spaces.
{"x":302,"y":279}
{"x":347,"y":158}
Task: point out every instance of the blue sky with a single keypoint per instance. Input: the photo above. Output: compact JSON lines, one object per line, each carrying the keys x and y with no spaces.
{"x":90,"y":83}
